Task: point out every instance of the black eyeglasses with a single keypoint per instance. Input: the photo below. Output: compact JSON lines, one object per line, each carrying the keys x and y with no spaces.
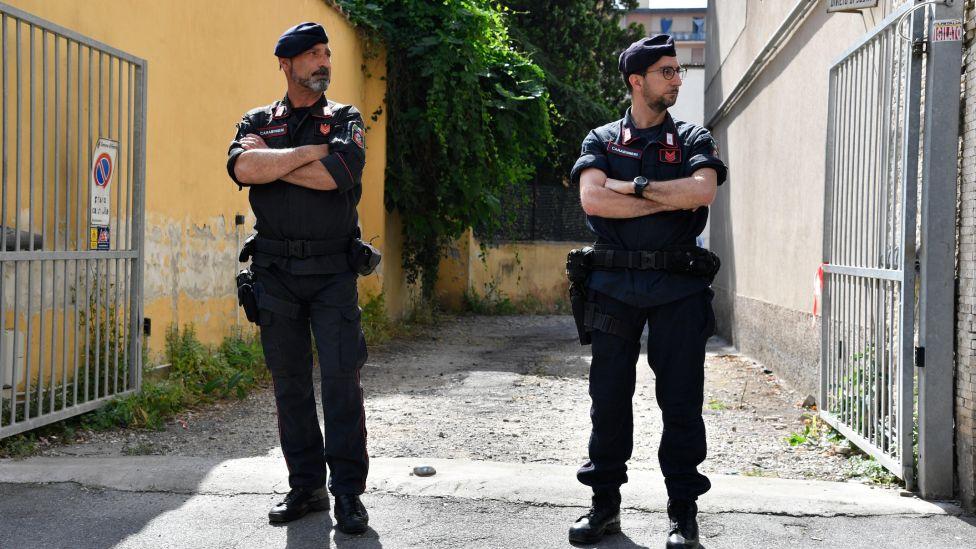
{"x":669,"y":72}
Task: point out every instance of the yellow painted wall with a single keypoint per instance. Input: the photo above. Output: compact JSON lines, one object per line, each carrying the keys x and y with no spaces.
{"x":208,"y":63}
{"x":520,"y":271}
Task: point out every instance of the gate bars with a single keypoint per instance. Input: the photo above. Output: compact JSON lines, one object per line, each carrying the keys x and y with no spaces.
{"x":70,"y":293}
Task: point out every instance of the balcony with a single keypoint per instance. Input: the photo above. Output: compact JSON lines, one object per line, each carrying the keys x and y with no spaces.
{"x":688,"y":36}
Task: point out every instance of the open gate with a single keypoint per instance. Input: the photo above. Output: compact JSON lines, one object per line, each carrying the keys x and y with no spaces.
{"x":870,"y":218}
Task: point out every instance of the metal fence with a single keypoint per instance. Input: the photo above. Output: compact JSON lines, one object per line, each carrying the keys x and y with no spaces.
{"x":870,"y":218}
{"x":72,"y":235}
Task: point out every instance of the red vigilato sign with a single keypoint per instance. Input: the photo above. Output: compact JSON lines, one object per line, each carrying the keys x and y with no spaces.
{"x":947,"y":30}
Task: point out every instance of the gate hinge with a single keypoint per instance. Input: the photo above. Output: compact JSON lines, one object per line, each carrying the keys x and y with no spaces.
{"x":919,"y":357}
{"x":919,"y":47}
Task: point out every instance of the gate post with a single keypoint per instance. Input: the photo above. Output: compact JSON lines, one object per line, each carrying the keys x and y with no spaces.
{"x":935,"y":356}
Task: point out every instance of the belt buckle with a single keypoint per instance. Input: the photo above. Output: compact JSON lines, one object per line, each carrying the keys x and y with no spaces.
{"x":652,"y":260}
{"x":296,"y":248}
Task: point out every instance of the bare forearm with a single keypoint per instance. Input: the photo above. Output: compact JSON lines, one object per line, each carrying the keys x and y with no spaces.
{"x":687,"y":193}
{"x":312,"y":176}
{"x":603,"y":202}
{"x":260,"y":166}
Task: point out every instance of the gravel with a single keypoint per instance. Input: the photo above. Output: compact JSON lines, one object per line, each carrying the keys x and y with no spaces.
{"x":511,"y":389}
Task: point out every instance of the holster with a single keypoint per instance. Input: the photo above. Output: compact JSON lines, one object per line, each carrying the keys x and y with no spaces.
{"x":247,"y":250}
{"x":246,"y":297}
{"x":577,"y":269}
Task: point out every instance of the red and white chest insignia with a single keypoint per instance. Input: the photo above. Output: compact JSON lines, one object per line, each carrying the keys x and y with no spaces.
{"x":670,"y":156}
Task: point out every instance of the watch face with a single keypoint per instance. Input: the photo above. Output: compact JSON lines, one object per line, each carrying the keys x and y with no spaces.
{"x":640,"y":180}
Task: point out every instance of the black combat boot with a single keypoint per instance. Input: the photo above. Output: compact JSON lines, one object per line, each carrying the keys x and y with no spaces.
{"x":602,"y":519}
{"x":298,"y":502}
{"x":350,"y":514}
{"x":683,"y":533}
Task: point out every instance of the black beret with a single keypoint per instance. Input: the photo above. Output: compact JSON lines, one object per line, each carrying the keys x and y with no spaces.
{"x":645,"y":52}
{"x":300,"y":38}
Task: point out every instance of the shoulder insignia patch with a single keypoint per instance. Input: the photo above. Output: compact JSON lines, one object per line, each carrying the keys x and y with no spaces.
{"x":325,"y":128}
{"x":358,"y":136}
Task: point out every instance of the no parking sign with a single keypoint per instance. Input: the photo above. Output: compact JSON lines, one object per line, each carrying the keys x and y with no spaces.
{"x":102,"y":171}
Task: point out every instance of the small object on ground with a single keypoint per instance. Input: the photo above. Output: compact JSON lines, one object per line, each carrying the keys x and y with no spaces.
{"x":809,"y":402}
{"x":843,"y":449}
{"x":424,"y":471}
{"x":906,"y":494}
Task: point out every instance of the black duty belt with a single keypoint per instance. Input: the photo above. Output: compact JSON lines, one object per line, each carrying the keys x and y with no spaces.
{"x":681,"y":259}
{"x":627,"y":259}
{"x":301,"y":248}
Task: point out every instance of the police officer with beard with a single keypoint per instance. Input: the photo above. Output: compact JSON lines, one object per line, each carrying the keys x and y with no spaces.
{"x":302,"y":160}
{"x":645,"y":185}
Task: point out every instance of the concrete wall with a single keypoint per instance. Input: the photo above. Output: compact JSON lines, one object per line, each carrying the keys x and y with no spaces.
{"x":533,"y":271}
{"x":209,"y":62}
{"x":767,"y":220}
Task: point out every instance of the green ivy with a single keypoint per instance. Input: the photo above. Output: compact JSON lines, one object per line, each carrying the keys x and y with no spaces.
{"x":468,"y":119}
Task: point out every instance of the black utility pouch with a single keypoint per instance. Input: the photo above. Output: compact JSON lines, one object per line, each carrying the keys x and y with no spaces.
{"x":246,"y":296}
{"x":363,"y":257}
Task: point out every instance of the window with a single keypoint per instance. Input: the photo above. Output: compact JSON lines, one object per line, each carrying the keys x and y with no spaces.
{"x":698,"y":27}
{"x":666,"y":25}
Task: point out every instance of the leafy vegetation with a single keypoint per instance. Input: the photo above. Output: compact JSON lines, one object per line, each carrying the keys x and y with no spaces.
{"x":468,"y":118}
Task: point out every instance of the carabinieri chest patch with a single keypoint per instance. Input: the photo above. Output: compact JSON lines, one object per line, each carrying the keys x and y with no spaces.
{"x":624,"y":151}
{"x":273,"y":131}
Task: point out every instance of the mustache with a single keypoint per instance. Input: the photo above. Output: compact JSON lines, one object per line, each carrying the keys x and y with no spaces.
{"x":321,"y":72}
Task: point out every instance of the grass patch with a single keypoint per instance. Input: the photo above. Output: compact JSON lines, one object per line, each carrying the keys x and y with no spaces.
{"x":867,"y":467}
{"x":815,"y":432}
{"x":379,"y":328}
{"x":199,"y":374}
{"x":716,"y":404}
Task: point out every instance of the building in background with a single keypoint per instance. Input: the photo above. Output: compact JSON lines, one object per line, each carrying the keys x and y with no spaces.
{"x":685,"y":21}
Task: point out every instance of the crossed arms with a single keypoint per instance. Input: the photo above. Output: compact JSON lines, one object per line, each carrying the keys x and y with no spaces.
{"x":301,"y":166}
{"x":614,"y":199}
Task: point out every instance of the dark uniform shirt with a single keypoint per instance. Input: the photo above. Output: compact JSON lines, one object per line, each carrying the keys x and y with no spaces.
{"x":288,"y":212}
{"x":623,"y":152}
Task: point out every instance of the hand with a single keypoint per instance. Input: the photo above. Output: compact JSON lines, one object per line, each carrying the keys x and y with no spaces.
{"x":252,"y":141}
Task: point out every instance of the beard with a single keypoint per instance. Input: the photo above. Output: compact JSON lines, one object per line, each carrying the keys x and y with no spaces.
{"x":659,"y":103}
{"x":318,"y":81}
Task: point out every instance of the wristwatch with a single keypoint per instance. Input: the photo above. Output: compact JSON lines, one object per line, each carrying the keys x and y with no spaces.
{"x":640,"y":183}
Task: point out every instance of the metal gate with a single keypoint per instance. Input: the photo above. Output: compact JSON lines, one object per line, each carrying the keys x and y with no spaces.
{"x":72,"y":223}
{"x":870,"y":218}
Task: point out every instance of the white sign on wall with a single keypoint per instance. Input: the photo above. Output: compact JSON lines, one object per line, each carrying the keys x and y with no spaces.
{"x":102,"y":172}
{"x":850,"y":5}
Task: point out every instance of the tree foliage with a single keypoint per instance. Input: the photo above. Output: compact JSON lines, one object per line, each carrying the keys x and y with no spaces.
{"x":576,"y":43}
{"x":468,"y":119}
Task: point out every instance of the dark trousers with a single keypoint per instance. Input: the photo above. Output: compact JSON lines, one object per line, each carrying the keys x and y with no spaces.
{"x":677,"y":333}
{"x":289,"y":305}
